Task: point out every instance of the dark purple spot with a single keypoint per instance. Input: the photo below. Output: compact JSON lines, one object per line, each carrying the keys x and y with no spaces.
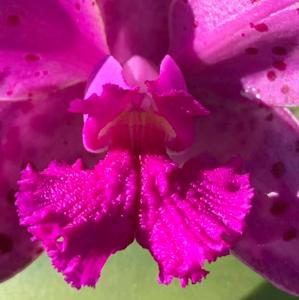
{"x":6,"y":244}
{"x":279,"y":50}
{"x":297,"y":146}
{"x":9,"y":93}
{"x":39,"y":251}
{"x":45,"y":72}
{"x":297,"y":11}
{"x":269,"y":117}
{"x":290,"y":234}
{"x":279,"y":65}
{"x":278,"y":169}
{"x":37,"y":73}
{"x":31,"y":57}
{"x":195,"y":24}
{"x":13,"y":20}
{"x":11,"y":196}
{"x":233,"y":187}
{"x":278,"y":207}
{"x":261,"y":27}
{"x":243,"y":34}
{"x":285,"y":89}
{"x":78,"y":6}
{"x":271,"y":75}
{"x":251,"y":51}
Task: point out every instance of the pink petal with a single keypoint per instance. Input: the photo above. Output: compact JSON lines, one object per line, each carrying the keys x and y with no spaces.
{"x":248,"y":47}
{"x":267,"y":139}
{"x":81,"y":217}
{"x":190,"y":215}
{"x":109,"y":73}
{"x":170,"y":78}
{"x":47,"y":46}
{"x":100,"y":111}
{"x":175,"y":104}
{"x":136,"y":27}
{"x":28,"y":130}
{"x":181,"y":110}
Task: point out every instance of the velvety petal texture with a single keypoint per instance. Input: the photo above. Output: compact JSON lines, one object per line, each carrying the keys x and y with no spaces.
{"x":190,"y":215}
{"x":267,"y":140}
{"x":81,"y":217}
{"x":35,"y":132}
{"x":47,"y":47}
{"x":248,"y":47}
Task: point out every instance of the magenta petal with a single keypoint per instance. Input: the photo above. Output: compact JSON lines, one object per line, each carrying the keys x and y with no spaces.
{"x":248,"y":47}
{"x":173,"y":102}
{"x":135,"y":27}
{"x":47,"y":46}
{"x":81,"y":216}
{"x":190,"y":215}
{"x":268,"y":141}
{"x":111,"y":72}
{"x":181,"y":110}
{"x":100,"y":111}
{"x":170,"y":78}
{"x":28,"y":130}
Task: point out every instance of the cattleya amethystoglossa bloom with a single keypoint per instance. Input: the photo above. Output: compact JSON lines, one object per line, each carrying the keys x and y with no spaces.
{"x":182,"y":97}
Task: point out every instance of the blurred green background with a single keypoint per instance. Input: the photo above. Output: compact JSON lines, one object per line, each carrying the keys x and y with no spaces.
{"x":131,"y":275}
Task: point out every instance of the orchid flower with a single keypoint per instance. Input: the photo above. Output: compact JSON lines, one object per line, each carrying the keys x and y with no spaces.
{"x":186,"y":145}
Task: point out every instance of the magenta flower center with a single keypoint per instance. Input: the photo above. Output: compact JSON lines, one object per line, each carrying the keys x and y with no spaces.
{"x":184,"y":215}
{"x":142,"y":111}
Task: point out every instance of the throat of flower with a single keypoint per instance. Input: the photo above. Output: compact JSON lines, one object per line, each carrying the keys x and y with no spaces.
{"x":137,"y":108}
{"x":139,"y":131}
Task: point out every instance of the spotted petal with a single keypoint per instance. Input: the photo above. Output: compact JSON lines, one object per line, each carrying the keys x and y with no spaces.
{"x":248,"y":47}
{"x":28,"y":130}
{"x":267,"y":139}
{"x":48,"y":46}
